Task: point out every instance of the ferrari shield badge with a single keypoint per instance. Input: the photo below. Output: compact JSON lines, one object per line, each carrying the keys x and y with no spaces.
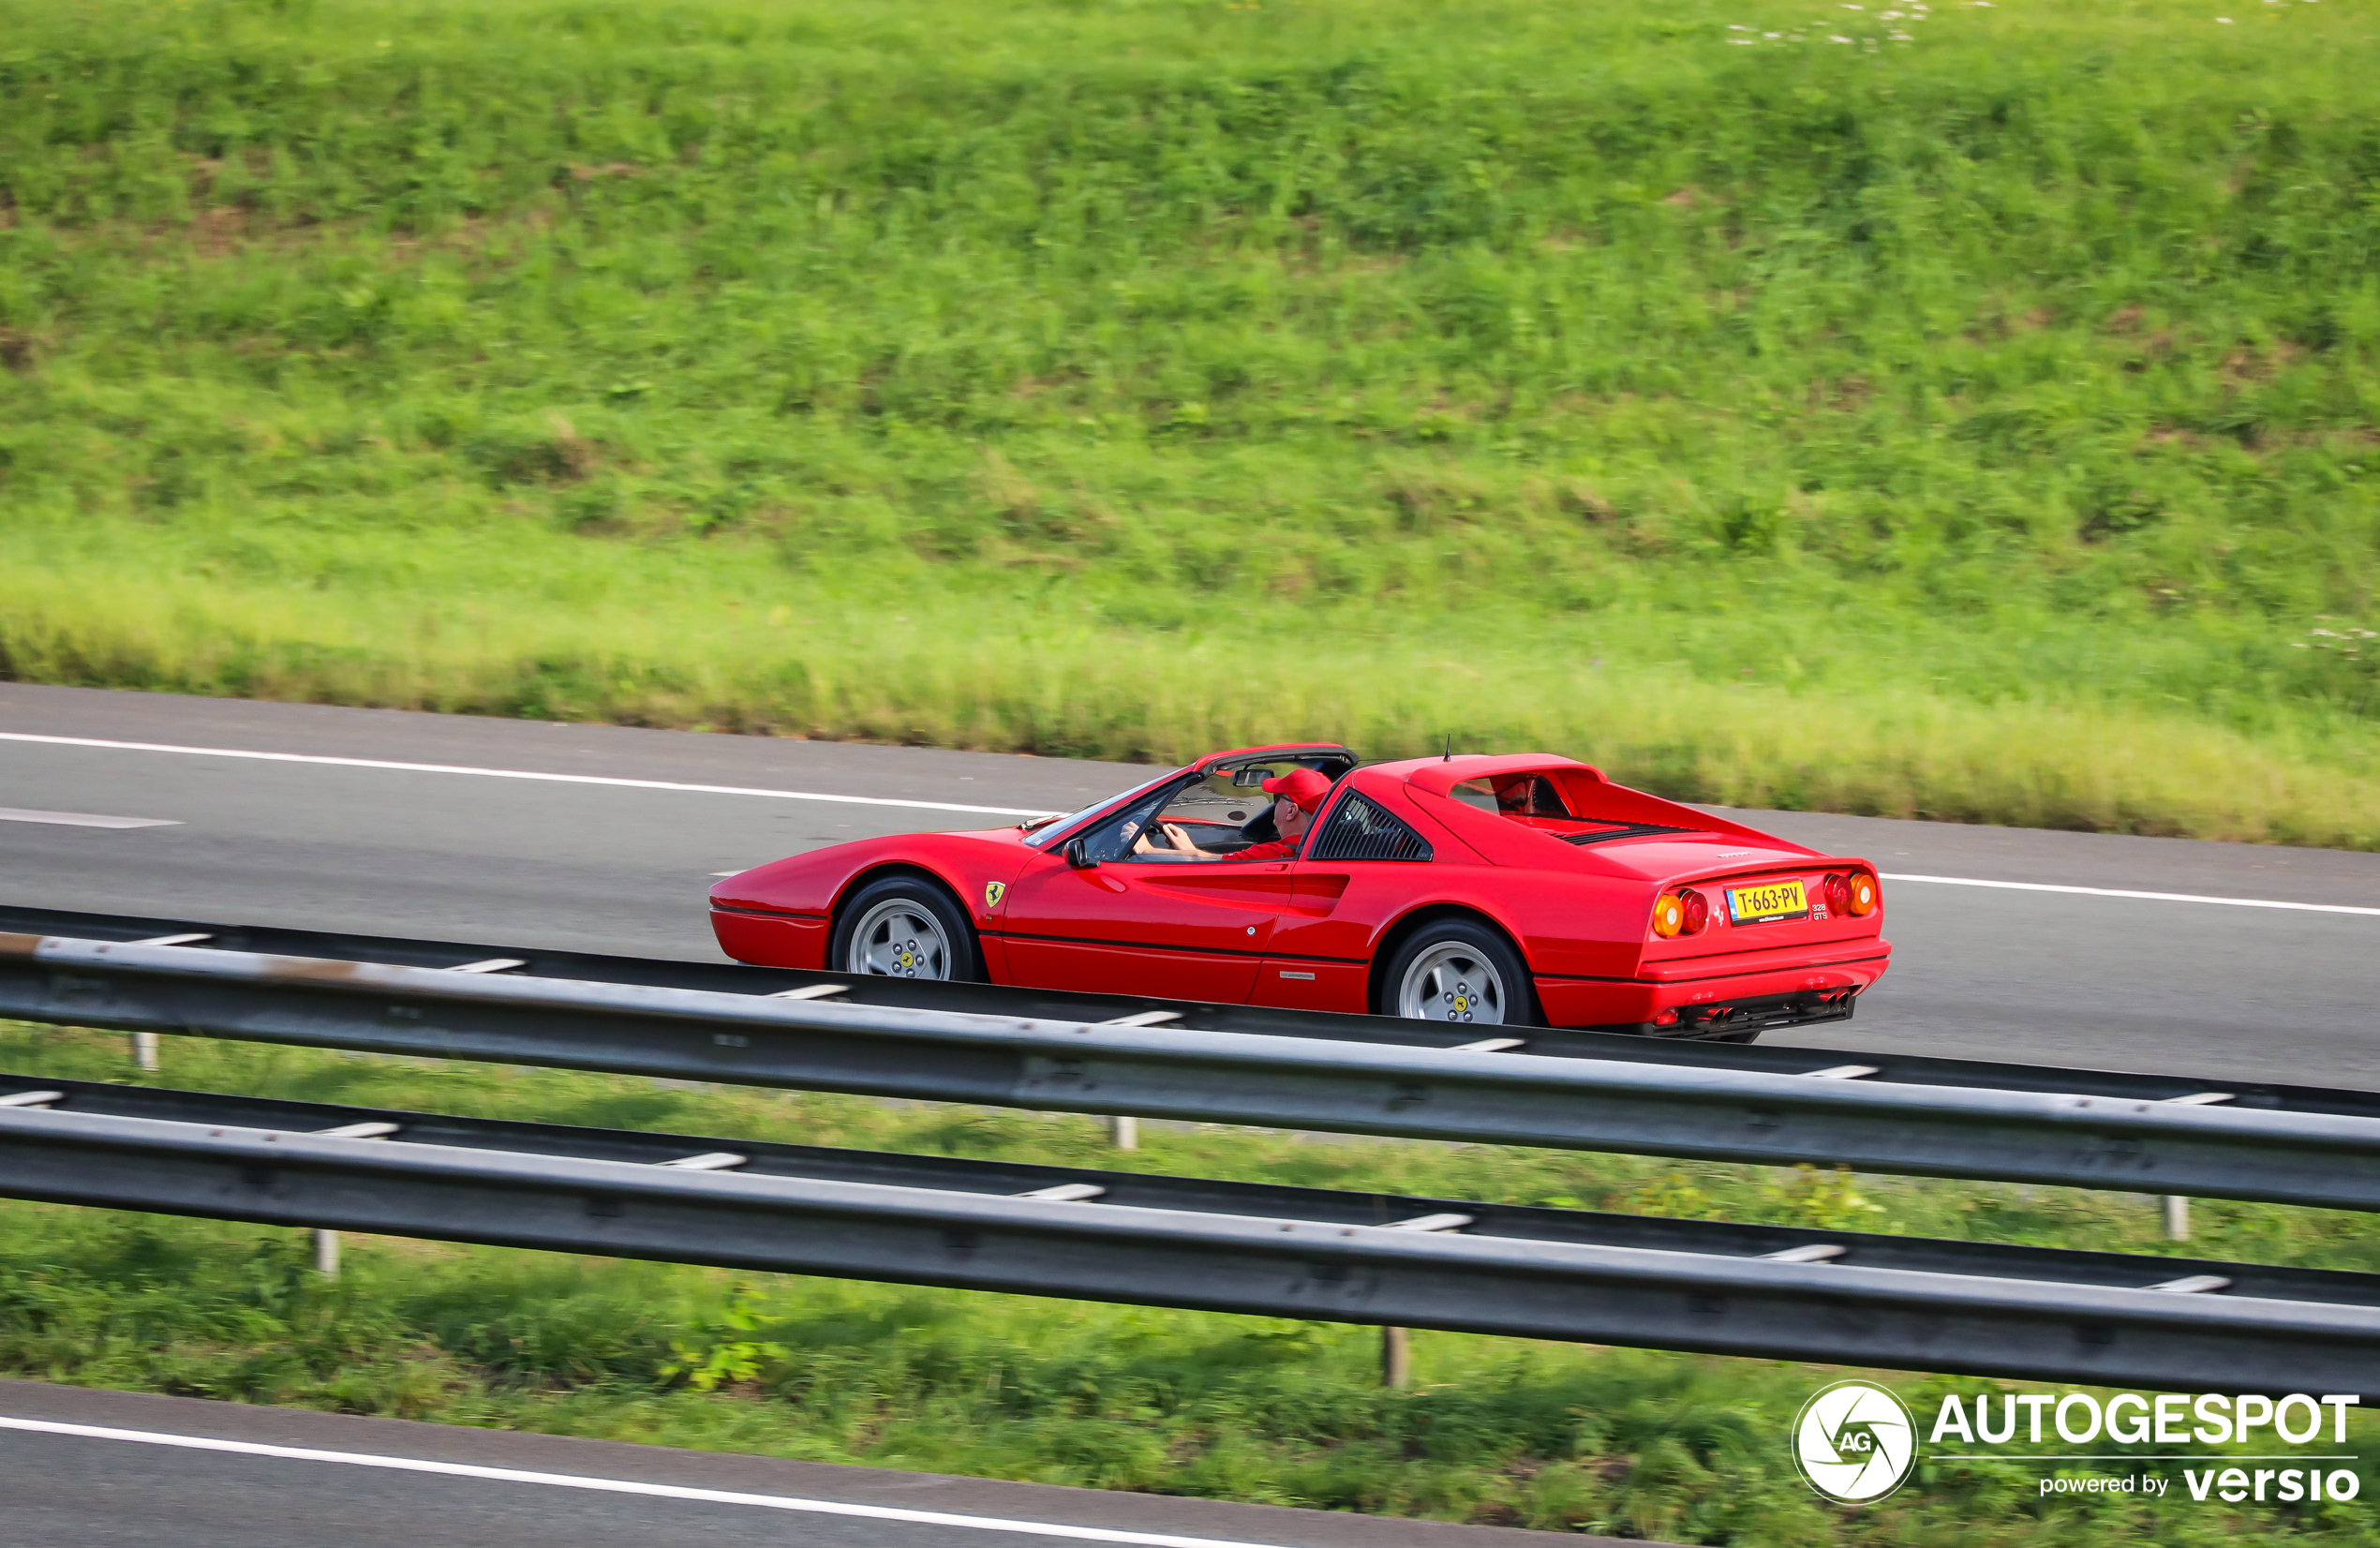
{"x":993,"y":892}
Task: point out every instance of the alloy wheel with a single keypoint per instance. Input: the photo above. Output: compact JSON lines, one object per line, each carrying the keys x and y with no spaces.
{"x":1453,"y":982}
{"x":899,"y":938}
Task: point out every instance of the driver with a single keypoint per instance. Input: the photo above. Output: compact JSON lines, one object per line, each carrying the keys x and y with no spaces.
{"x":1297,"y":797}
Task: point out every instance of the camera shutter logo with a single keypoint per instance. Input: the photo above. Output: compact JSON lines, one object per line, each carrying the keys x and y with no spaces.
{"x":1854,"y":1442}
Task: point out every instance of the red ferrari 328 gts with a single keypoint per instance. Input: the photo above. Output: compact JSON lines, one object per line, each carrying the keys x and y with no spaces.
{"x":1523,"y":889}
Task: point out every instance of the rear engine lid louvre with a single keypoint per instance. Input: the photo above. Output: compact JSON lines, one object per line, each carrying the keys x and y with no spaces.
{"x":1625,"y":830}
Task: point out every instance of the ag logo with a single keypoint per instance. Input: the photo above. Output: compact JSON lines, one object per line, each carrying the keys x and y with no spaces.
{"x":1854,"y":1442}
{"x":993,"y":892}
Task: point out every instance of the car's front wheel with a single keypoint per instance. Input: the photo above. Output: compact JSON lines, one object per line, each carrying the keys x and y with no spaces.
{"x":903,"y":926}
{"x":1458,"y":970}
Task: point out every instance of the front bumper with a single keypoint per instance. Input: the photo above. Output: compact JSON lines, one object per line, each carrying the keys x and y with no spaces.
{"x":771,"y":939}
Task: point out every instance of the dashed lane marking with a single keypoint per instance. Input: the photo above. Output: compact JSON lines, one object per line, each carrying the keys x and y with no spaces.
{"x":82,"y":819}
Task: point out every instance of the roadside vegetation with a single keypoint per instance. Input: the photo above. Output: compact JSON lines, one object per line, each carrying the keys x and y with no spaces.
{"x":1628,"y":1442}
{"x":1960,"y":410}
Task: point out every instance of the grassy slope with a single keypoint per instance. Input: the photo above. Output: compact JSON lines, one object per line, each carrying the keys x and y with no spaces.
{"x":1498,"y":1429}
{"x":1974,"y":426}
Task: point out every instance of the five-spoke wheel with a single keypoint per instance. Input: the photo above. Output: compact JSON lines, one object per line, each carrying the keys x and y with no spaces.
{"x":1458,"y":970}
{"x":903,"y":926}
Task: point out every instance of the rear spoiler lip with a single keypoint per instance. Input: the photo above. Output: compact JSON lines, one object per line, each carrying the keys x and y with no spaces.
{"x":1734,"y":873}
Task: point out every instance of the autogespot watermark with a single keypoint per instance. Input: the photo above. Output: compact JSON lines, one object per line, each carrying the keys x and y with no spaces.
{"x":1856,"y":1442}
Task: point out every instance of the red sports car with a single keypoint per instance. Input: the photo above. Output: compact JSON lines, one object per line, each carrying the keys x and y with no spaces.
{"x":1523,"y":889}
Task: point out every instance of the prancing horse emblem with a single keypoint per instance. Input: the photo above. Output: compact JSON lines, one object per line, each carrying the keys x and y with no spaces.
{"x":993,"y":892}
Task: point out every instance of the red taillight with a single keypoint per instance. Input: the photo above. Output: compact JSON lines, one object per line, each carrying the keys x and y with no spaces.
{"x":1698,"y":911}
{"x":1837,"y":890}
{"x":1864,"y":896}
{"x":1668,"y":915}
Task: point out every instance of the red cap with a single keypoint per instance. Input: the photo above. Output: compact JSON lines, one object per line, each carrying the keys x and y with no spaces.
{"x":1303,"y":786}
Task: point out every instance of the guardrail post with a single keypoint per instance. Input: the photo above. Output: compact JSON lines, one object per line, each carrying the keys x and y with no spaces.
{"x":2177,"y":1219}
{"x":1396,"y":1358}
{"x":144,"y":1050}
{"x":1124,"y":1132}
{"x":326,"y":1254}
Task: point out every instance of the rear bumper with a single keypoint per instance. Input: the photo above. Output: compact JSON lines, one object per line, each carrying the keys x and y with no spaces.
{"x":1714,"y":997}
{"x":1741,"y":1020}
{"x":1784,"y":965}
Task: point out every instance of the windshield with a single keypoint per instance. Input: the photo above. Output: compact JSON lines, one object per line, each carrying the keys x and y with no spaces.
{"x":1050,"y":830}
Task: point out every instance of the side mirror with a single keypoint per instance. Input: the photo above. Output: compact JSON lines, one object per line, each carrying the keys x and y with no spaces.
{"x":1079,"y":856}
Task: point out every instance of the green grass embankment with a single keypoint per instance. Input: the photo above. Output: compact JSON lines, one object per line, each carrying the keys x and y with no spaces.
{"x":1674,"y":1447}
{"x":1980,"y":425}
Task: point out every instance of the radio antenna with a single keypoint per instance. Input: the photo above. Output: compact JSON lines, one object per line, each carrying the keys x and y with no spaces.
{"x":1450,"y":749}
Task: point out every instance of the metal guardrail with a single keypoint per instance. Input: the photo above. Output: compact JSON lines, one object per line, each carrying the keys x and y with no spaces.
{"x":2158,"y":1146}
{"x":1187,"y":1014}
{"x":1158,"y":1190}
{"x":1306,"y":1253}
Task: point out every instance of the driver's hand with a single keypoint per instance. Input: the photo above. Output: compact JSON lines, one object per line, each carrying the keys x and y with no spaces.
{"x":1180,"y":839}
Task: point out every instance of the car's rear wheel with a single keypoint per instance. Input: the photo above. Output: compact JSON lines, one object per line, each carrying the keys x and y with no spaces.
{"x":903,"y":926}
{"x":1458,"y":971}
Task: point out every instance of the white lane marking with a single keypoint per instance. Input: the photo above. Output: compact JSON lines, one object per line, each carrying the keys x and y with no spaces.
{"x":2122,"y":892}
{"x":88,"y":821}
{"x":622,"y":1486}
{"x":82,"y":819}
{"x":518,"y":774}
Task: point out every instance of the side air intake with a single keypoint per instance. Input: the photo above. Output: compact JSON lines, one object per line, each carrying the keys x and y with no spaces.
{"x":1360,"y":829}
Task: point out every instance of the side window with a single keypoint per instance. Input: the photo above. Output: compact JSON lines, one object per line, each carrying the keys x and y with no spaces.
{"x":1360,"y":829}
{"x":1112,"y":840}
{"x":1222,"y":814}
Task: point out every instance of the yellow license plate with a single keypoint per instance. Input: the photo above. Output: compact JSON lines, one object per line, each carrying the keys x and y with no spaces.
{"x":1752,"y":905}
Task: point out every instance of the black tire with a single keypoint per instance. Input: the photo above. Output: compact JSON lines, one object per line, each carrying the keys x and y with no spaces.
{"x":1456,"y":949}
{"x":882,"y":900}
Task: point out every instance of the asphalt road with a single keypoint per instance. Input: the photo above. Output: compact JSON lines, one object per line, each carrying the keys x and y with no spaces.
{"x":2074,"y":978}
{"x":387,"y":1484}
{"x":2037,"y":976}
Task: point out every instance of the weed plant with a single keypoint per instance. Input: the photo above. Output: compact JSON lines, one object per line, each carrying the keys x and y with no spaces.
{"x":1966,"y":412}
{"x":1632,"y":1442}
